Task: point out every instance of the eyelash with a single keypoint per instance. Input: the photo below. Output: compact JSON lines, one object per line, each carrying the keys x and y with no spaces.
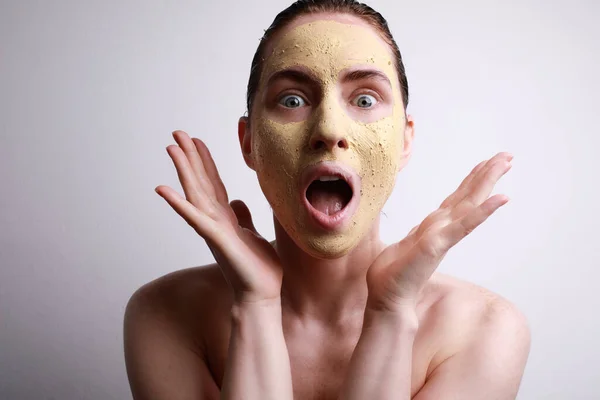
{"x":370,"y":92}
{"x":354,"y":95}
{"x":283,"y":95}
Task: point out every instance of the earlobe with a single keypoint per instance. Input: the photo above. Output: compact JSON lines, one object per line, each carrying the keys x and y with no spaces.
{"x":409,"y":133}
{"x":245,"y":138}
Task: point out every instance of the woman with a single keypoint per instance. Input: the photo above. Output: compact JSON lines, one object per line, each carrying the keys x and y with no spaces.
{"x":326,"y":311}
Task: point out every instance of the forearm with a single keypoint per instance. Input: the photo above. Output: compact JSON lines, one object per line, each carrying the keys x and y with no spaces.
{"x":258,"y":365}
{"x":380,"y":367}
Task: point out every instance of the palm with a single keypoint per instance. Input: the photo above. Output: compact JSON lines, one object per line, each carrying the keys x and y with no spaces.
{"x":264,"y":272}
{"x":248,"y":261}
{"x":401,"y":271}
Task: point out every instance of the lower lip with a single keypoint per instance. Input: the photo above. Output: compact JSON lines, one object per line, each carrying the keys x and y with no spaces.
{"x":335,"y":221}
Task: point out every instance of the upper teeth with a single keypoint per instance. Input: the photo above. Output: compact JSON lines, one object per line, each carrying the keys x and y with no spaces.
{"x":328,"y":178}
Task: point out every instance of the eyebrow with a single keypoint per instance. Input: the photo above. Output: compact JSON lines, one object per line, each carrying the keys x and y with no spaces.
{"x":366,"y":74}
{"x":301,"y":76}
{"x":294,"y":75}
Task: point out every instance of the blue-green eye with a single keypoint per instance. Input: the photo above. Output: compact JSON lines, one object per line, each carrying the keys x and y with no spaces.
{"x":364,"y":101}
{"x":292,"y":101}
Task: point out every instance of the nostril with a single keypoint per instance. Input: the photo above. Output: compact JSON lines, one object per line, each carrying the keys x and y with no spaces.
{"x":319,"y":144}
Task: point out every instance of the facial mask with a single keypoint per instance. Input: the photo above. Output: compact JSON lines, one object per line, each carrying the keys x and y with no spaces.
{"x":281,"y":149}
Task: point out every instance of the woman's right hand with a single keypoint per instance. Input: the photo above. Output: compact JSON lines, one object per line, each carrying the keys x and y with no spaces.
{"x":249,"y":262}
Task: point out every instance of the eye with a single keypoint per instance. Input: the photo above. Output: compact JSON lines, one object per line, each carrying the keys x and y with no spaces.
{"x":292,"y":101}
{"x":364,"y":101}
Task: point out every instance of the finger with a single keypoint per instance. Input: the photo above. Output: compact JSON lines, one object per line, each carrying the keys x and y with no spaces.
{"x":452,"y":199}
{"x":481,"y":173}
{"x":191,"y":152}
{"x":189,"y":183}
{"x":243,"y":215}
{"x":211,"y":171}
{"x":413,"y":230}
{"x":460,"y":228}
{"x":431,"y":219}
{"x":482,"y":187}
{"x":474,"y":176}
{"x":201,"y":223}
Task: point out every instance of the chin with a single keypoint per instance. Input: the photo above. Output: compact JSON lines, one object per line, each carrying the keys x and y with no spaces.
{"x":327,"y":246}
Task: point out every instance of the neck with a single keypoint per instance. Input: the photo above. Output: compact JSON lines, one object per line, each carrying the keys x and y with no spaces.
{"x":329,"y":291}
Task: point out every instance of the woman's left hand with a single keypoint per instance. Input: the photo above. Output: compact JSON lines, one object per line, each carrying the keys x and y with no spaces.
{"x":400,"y":272}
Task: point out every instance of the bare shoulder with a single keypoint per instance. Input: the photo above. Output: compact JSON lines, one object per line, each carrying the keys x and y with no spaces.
{"x":460,"y":297}
{"x":165,"y":327}
{"x":184,"y":294}
{"x":469,"y":315}
{"x":184,"y":283}
{"x":184,"y":302}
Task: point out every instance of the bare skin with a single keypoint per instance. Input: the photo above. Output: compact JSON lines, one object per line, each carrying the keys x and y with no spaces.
{"x":272,"y":321}
{"x":178,"y":327}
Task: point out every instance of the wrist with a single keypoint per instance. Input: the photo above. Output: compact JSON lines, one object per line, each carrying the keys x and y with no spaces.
{"x":257,"y":323}
{"x":402,"y":318}
{"x":391,"y":303}
{"x":256,"y":308}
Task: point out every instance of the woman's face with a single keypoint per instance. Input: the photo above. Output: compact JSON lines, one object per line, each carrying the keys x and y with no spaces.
{"x":327,"y":131}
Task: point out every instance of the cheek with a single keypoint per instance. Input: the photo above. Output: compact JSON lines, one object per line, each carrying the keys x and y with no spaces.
{"x":277,"y":145}
{"x":378,"y":146}
{"x":276,"y":151}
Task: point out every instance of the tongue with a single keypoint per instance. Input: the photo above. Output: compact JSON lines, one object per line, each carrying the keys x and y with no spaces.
{"x":326,"y":201}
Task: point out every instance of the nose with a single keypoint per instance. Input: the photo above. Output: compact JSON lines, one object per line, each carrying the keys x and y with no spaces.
{"x":329,"y":132}
{"x":328,"y":142}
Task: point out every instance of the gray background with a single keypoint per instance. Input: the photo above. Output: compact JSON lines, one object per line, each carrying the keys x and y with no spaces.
{"x":91,"y":90}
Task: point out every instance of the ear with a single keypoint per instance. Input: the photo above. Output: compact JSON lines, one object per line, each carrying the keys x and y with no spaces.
{"x":245,"y":137}
{"x":409,"y":134}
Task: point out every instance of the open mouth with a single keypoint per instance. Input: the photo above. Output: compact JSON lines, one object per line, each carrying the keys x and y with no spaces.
{"x":329,"y":194}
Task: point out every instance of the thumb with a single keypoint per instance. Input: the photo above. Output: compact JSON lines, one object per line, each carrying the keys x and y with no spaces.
{"x":243,"y":215}
{"x":413,"y":230}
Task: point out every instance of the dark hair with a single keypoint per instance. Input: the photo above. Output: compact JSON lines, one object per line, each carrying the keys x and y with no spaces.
{"x":304,"y":7}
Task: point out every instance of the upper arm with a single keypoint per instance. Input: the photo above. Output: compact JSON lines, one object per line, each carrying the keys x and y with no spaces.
{"x":161,"y":360}
{"x":490,"y":366}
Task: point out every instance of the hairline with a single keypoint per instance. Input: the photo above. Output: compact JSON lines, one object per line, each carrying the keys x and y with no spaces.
{"x":271,"y":41}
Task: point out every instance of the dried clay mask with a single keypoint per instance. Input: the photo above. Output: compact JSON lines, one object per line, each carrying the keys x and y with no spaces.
{"x":327,"y":198}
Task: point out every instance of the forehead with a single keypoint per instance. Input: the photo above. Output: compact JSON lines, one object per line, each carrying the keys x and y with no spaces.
{"x":327,"y":44}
